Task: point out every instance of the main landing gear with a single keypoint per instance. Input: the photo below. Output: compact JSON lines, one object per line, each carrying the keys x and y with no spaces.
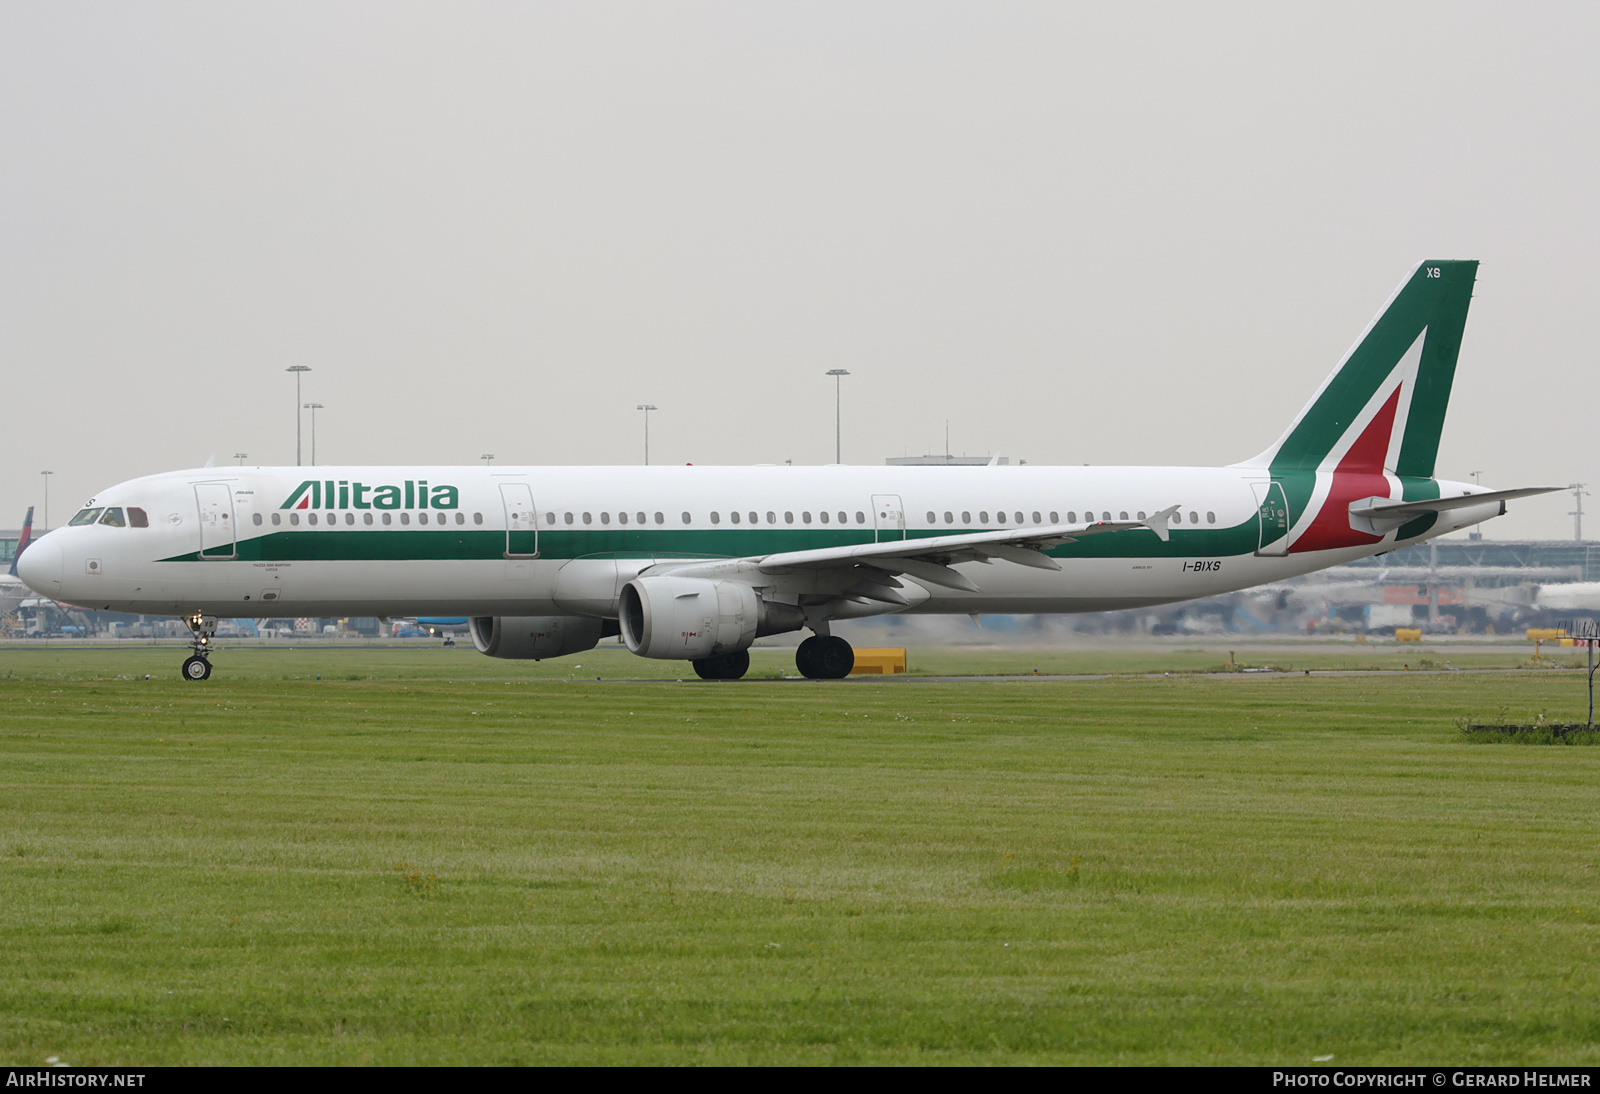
{"x":825,"y":657}
{"x":723,"y":666}
{"x":820,"y":657}
{"x":202,"y":629}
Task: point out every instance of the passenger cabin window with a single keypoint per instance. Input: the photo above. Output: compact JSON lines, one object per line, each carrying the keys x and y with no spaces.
{"x":1123,"y":515}
{"x":422,"y":518}
{"x":461,"y":518}
{"x":388,"y":518}
{"x":844,"y":518}
{"x":1036,"y":519}
{"x":983,"y":516}
{"x":350,"y":518}
{"x":567,"y":517}
{"x":622,"y":518}
{"x":641,"y":517}
{"x":949,"y":517}
{"x":1211,"y":518}
{"x":277,"y":519}
{"x":137,"y":518}
{"x":85,"y":516}
{"x":734,"y":516}
{"x":788,"y":517}
{"x":294,"y":518}
{"x":823,"y":516}
{"x":805,"y":517}
{"x":1194,"y":518}
{"x":661,"y":518}
{"x":588,"y":518}
{"x":772,"y":518}
{"x":755,"y":518}
{"x":366,"y":518}
{"x":405,"y":518}
{"x":1000,"y":518}
{"x":311,"y":518}
{"x":966,"y":517}
{"x":716,"y":517}
{"x":255,"y":518}
{"x":605,"y":518}
{"x":931,"y":518}
{"x":549,"y":518}
{"x":687,"y":518}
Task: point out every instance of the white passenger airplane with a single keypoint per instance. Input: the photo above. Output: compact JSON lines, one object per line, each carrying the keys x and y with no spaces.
{"x":695,"y":563}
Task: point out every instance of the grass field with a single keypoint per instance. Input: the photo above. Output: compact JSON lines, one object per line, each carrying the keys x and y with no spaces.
{"x":427,"y":856}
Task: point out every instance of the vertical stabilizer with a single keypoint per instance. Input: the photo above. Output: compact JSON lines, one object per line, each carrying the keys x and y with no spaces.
{"x":22,"y":542}
{"x":1383,"y":407}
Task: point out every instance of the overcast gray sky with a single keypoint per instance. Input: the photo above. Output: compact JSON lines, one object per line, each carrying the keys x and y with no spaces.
{"x":1107,"y":233}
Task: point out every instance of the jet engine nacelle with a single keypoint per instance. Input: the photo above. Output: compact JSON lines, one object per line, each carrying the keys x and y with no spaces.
{"x":535,"y":637}
{"x":689,"y":618}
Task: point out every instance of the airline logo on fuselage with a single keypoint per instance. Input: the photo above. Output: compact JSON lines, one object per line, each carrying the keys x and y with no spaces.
{"x":351,"y":494}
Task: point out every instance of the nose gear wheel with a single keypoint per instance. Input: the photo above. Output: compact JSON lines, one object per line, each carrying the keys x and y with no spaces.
{"x":202,"y":629}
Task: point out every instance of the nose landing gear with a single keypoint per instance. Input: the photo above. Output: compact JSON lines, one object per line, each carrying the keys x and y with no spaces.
{"x":202,"y":629}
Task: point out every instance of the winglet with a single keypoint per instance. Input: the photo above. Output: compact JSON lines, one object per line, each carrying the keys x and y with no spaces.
{"x":1157,"y":522}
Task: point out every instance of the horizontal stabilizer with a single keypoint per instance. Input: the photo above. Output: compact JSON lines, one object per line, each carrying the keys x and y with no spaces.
{"x":1376,"y":516}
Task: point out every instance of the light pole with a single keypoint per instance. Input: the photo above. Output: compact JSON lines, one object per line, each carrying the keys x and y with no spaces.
{"x":241,"y":457}
{"x":297,"y":370}
{"x":47,"y":475}
{"x":314,"y":407}
{"x":1578,"y":492}
{"x":488,"y":459}
{"x":838,"y":375}
{"x":647,"y":408}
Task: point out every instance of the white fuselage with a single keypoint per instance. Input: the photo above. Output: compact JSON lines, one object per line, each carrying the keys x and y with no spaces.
{"x":535,"y":541}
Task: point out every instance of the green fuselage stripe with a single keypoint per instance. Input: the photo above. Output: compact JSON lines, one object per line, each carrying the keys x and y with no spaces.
{"x":419,"y":545}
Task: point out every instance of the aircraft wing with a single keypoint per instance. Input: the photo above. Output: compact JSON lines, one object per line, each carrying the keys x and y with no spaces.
{"x":930,"y":559}
{"x":1383,"y":515}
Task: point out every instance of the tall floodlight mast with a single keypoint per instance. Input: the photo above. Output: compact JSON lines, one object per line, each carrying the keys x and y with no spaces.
{"x":314,"y":407}
{"x":297,"y":370}
{"x":647,"y":408}
{"x":838,"y":375}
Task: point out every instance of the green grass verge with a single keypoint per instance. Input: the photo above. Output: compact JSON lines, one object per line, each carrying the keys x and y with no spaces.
{"x":430,"y":857}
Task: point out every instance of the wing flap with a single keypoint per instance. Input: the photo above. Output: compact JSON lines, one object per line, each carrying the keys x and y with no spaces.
{"x":931,"y":558}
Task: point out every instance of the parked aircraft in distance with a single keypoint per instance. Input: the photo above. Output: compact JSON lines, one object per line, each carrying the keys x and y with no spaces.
{"x":696,"y":563}
{"x":12,"y":591}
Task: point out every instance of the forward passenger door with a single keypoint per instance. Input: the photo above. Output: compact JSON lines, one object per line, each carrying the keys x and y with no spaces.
{"x":522,"y":520}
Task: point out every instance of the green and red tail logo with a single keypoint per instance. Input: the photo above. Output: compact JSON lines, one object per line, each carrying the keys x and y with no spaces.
{"x":1373,"y":428}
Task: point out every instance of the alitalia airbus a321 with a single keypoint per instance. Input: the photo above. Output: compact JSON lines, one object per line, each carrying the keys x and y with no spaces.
{"x":696,"y":563}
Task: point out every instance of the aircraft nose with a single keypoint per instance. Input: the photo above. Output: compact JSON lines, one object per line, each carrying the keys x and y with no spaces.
{"x":40,"y":567}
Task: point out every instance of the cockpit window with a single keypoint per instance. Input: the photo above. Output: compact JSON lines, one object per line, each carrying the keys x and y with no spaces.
{"x":113,"y":518}
{"x":85,"y":516}
{"x":137,"y":517}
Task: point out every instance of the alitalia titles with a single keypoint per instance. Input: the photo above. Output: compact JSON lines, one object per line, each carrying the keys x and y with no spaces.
{"x":352,"y":494}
